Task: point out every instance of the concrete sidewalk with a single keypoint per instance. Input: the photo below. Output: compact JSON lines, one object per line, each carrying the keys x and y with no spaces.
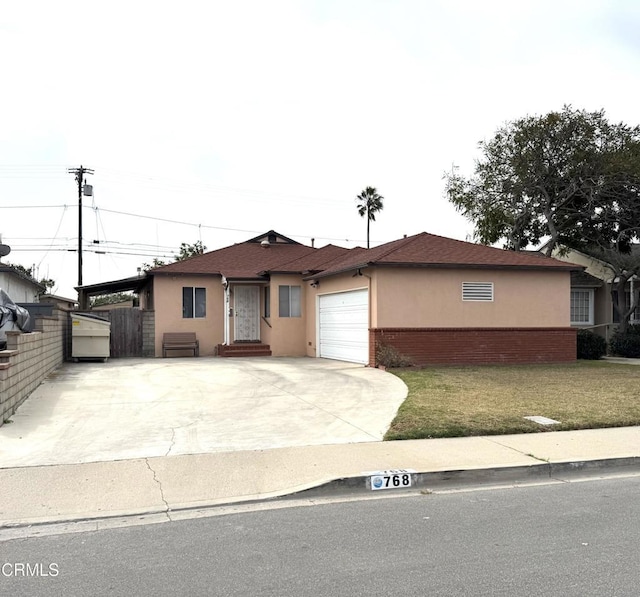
{"x":170,"y":484}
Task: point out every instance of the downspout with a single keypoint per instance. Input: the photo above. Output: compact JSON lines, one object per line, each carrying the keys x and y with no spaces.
{"x":632,"y":300}
{"x":368,"y":307}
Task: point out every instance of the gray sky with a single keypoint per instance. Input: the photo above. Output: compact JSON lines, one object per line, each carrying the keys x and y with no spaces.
{"x":216,"y":121}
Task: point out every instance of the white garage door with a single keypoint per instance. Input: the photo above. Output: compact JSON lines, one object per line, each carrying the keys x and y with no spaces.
{"x":344,"y":326}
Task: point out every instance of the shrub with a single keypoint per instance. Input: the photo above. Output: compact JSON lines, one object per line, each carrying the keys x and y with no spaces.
{"x":389,"y":357}
{"x":591,"y":346}
{"x":628,"y":344}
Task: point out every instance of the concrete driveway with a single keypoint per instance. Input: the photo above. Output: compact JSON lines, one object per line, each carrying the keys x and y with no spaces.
{"x":138,"y":408}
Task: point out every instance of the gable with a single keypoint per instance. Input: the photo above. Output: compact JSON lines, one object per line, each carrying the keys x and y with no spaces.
{"x":272,"y":237}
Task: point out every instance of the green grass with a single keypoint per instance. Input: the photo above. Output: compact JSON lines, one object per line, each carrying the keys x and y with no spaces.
{"x":492,"y":400}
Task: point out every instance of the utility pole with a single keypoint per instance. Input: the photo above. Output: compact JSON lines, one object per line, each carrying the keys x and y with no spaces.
{"x":79,"y":174}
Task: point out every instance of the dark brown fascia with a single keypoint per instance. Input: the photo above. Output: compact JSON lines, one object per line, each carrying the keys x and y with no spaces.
{"x":158,"y":273}
{"x":350,"y":268}
{"x":307,"y":272}
{"x":236,"y":279}
{"x":567,"y":268}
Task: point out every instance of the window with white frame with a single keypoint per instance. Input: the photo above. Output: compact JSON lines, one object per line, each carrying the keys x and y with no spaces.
{"x":289,"y":301}
{"x":477,"y":291}
{"x":194,"y":302}
{"x":582,"y":306}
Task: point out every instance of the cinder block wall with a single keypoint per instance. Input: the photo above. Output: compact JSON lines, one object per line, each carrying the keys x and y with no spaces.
{"x":28,"y":359}
{"x":474,"y":346}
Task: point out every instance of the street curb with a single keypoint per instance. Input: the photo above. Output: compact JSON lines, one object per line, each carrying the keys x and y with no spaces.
{"x":428,"y":482}
{"x":560,"y":471}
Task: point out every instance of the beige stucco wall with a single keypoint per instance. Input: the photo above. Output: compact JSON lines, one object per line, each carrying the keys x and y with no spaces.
{"x":398,"y":297}
{"x":168,"y":311}
{"x":287,"y":334}
{"x":433,"y":298}
{"x":340,"y":283}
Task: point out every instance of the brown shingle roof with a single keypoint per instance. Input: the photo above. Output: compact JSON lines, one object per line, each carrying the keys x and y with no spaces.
{"x":243,"y":260}
{"x":251,"y":260}
{"x":429,"y":250}
{"x":317,"y":261}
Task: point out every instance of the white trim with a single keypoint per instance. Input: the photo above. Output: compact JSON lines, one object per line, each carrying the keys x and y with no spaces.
{"x":590,"y":292}
{"x":225,"y":309}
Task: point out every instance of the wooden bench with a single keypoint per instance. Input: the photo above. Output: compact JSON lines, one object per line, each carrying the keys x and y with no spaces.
{"x":180,"y":341}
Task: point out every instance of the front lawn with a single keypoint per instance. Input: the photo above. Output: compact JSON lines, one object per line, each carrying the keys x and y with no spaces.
{"x":492,"y":400}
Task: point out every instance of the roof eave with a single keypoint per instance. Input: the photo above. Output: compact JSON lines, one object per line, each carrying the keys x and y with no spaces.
{"x":546,"y":268}
{"x":344,"y":270}
{"x":532,"y":267}
{"x":237,"y":279}
{"x":183,"y":273}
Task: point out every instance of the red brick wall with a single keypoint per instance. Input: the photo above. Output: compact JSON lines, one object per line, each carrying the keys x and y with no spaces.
{"x":466,"y":346}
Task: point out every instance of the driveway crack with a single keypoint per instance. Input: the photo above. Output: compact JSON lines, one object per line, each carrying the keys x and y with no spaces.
{"x":172,"y":442}
{"x":167,"y":509}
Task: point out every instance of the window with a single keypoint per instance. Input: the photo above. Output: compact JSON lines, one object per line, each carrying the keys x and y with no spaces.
{"x":477,"y":291}
{"x":267,"y":302}
{"x":582,"y":306}
{"x":194,"y":302}
{"x":289,"y":301}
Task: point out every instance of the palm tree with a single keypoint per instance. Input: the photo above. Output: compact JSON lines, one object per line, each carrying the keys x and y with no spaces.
{"x":370,"y":203}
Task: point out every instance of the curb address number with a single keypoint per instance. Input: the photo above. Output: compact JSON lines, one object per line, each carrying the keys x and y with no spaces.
{"x":392,"y":479}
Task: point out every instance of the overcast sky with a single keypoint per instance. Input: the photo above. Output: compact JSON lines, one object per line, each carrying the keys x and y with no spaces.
{"x":219,"y":120}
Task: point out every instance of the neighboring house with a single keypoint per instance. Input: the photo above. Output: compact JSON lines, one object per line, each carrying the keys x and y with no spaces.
{"x":60,"y":302}
{"x":20,"y":287}
{"x":434,"y":299}
{"x":139,"y":285}
{"x":110,"y":306}
{"x":591,"y":300}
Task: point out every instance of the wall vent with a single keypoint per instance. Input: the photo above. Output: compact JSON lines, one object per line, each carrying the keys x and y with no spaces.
{"x":477,"y":291}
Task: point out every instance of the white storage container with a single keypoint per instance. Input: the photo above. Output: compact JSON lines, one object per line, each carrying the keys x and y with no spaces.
{"x":90,"y":337}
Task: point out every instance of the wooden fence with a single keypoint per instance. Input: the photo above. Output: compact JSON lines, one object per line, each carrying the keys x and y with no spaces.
{"x":132,"y":332}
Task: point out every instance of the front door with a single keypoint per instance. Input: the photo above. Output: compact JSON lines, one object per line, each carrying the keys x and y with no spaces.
{"x":246,"y":308}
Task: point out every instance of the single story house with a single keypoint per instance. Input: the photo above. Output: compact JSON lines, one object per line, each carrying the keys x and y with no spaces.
{"x":433,"y":299}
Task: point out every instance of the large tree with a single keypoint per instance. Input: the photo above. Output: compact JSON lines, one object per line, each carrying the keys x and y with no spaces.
{"x":186,"y":252}
{"x":369,"y":203}
{"x":558,"y":177}
{"x":570,"y":178}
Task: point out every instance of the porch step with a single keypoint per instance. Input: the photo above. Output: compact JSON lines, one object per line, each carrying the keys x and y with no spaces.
{"x":245,"y":349}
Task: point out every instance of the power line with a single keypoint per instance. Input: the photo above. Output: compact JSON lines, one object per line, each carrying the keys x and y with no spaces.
{"x":199,"y":225}
{"x":97,"y":251}
{"x":32,"y":206}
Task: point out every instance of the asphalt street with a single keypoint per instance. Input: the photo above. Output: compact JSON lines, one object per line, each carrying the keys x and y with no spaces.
{"x":579,"y":538}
